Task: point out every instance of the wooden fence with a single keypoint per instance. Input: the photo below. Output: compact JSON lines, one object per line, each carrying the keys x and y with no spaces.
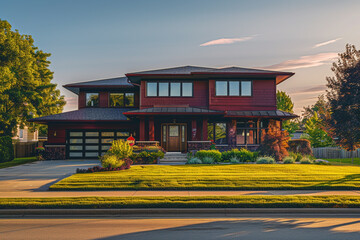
{"x":334,"y":152}
{"x":24,"y":149}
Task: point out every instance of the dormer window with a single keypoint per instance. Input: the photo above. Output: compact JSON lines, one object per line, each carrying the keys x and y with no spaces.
{"x":233,"y":88}
{"x":92,"y":99}
{"x":169,"y":89}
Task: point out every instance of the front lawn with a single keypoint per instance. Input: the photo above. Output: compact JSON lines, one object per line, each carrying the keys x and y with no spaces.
{"x":183,"y":202}
{"x":217,"y":177}
{"x":344,"y":161}
{"x":17,"y":161}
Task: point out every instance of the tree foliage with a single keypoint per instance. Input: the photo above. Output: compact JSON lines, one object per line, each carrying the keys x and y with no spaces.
{"x":344,"y":99}
{"x":284,"y":103}
{"x":315,"y":133}
{"x":26,"y":90}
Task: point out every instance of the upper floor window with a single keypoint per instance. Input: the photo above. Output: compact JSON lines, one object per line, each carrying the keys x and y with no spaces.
{"x":92,"y":99}
{"x":233,"y":88}
{"x":169,"y":89}
{"x":122,"y":99}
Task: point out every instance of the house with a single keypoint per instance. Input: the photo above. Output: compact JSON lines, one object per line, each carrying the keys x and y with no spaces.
{"x":181,"y":109}
{"x":25,"y":134}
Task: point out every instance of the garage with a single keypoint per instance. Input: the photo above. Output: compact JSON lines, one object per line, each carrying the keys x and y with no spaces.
{"x":91,"y":143}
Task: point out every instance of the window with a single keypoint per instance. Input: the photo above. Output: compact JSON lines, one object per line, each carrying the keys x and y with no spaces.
{"x":233,"y":88}
{"x":248,"y":132}
{"x":221,"y":88}
{"x":92,"y":99}
{"x":187,"y":89}
{"x":245,"y":88}
{"x":21,"y":133}
{"x":169,"y":89}
{"x":122,"y":99}
{"x":164,"y":89}
{"x":151,"y":89}
{"x":217,"y":132}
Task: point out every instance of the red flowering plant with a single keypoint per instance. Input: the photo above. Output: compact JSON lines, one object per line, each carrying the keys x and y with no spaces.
{"x":39,"y":151}
{"x":213,"y":145}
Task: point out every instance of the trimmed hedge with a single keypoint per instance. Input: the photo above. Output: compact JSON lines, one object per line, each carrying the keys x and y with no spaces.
{"x":6,"y":149}
{"x":214,"y":154}
{"x":243,"y":155}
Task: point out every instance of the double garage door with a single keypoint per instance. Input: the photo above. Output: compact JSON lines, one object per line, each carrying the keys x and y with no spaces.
{"x":91,"y":144}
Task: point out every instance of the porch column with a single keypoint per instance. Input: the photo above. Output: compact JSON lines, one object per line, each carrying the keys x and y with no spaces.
{"x":142,"y":129}
{"x":232,"y":133}
{"x":193,"y":129}
{"x":151,"y":129}
{"x":204,"y":129}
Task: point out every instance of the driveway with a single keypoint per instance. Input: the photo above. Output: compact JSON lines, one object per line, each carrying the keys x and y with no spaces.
{"x":38,"y":176}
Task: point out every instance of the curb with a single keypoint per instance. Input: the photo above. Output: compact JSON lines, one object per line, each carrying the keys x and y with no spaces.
{"x":174,"y":211}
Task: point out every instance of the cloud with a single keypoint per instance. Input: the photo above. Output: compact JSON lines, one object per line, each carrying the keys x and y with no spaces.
{"x":222,"y":41}
{"x":305,"y":61}
{"x":315,"y":89}
{"x":326,"y":43}
{"x":71,"y":104}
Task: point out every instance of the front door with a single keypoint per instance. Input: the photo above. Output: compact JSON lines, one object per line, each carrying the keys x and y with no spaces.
{"x":173,"y":137}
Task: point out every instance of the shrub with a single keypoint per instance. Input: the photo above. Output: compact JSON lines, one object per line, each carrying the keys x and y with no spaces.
{"x":305,"y":160}
{"x":121,"y":149}
{"x":275,"y":142}
{"x":322,"y":162}
{"x":208,"y":160}
{"x":302,"y":146}
{"x":111,"y":161}
{"x":214,"y":154}
{"x":288,"y":160}
{"x":147,"y":157}
{"x":296,"y":156}
{"x":265,"y":160}
{"x":127,"y":164}
{"x":234,"y":160}
{"x":243,"y":155}
{"x":147,"y":148}
{"x":194,"y":160}
{"x":6,"y":149}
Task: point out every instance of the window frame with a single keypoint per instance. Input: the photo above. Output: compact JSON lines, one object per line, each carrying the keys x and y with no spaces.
{"x":258,"y":130}
{"x":214,"y":132}
{"x":169,"y":89}
{"x":228,"y":88}
{"x":123,"y":101}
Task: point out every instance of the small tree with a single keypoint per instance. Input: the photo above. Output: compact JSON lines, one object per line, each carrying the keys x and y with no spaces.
{"x":344,"y":99}
{"x":315,"y":132}
{"x":275,"y":142}
{"x":284,"y":103}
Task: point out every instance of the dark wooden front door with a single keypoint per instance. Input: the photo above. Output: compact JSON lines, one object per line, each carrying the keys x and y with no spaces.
{"x":173,"y":137}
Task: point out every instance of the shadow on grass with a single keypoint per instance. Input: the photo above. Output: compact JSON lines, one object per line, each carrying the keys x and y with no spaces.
{"x":346,"y":179}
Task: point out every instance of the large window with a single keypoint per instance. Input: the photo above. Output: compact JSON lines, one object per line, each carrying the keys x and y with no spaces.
{"x":233,"y":88}
{"x":249,"y":132}
{"x":92,"y":99}
{"x":169,"y":89}
{"x":122,"y":99}
{"x":217,"y":132}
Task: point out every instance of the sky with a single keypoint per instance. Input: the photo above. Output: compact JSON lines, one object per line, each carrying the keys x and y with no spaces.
{"x":91,"y":40}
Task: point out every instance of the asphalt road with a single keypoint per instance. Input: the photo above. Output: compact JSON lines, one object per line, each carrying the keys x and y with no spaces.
{"x":189,"y":228}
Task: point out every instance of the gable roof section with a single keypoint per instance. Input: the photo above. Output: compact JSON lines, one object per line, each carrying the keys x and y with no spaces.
{"x":194,"y":70}
{"x":120,"y":82}
{"x":86,"y":114}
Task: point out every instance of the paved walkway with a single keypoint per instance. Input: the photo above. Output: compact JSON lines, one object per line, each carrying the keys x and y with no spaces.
{"x":34,"y":179}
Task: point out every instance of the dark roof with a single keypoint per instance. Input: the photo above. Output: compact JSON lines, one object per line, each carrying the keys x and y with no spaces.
{"x":87,"y":114}
{"x":194,"y":70}
{"x":173,"y":110}
{"x":273,"y":113}
{"x":120,"y":82}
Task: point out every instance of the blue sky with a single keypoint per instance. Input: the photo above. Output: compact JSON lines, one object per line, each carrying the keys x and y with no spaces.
{"x":92,"y":40}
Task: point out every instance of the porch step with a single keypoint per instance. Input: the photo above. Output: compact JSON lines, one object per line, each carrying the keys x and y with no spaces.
{"x":174,"y":158}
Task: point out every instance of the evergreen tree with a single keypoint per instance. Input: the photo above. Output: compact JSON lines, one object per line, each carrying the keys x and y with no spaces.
{"x":315,"y":133}
{"x":26,"y":90}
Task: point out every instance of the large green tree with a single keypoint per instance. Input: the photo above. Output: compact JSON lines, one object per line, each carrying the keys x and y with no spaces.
{"x":26,"y":90}
{"x":315,"y":133}
{"x":344,"y":99}
{"x":284,"y":103}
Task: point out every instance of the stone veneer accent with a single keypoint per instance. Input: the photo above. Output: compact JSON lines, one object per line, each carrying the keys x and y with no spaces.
{"x":55,"y":152}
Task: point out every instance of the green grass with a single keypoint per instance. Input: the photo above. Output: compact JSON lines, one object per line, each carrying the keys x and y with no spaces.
{"x":183,"y":202}
{"x":344,"y":161}
{"x":17,"y":161}
{"x":217,"y":177}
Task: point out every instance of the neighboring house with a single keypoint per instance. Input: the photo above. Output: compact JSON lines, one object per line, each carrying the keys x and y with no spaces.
{"x":181,"y":109}
{"x":26,"y":135}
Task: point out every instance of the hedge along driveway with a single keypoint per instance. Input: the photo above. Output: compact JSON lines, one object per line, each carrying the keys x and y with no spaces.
{"x":217,"y":177}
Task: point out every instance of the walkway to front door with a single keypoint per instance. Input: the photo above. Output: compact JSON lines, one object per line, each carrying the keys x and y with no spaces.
{"x":173,"y":137}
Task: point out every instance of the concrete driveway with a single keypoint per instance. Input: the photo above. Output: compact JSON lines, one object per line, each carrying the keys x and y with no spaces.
{"x":38,"y":176}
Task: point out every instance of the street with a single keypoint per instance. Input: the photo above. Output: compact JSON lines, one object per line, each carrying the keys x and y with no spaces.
{"x":277,"y":227}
